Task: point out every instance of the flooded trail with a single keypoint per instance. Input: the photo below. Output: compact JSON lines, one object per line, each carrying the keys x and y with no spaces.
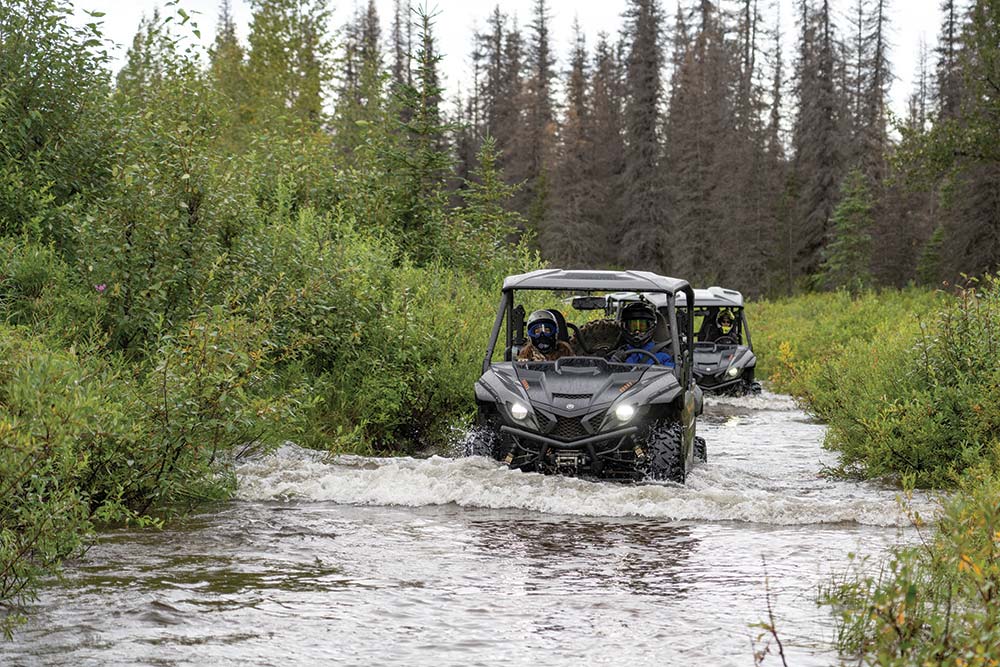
{"x":441,"y":561}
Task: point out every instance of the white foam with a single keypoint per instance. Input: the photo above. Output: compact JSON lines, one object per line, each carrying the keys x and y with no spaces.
{"x":714,"y":492}
{"x":765,"y":400}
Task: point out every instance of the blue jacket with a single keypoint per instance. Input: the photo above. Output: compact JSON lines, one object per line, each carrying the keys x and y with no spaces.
{"x":662,"y":357}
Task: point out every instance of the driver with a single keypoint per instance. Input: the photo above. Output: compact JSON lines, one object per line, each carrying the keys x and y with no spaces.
{"x":543,"y":339}
{"x":724,"y":323}
{"x":638,"y":320}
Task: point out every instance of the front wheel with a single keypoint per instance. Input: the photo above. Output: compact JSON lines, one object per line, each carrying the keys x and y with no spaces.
{"x":662,"y":456}
{"x":486,"y":439}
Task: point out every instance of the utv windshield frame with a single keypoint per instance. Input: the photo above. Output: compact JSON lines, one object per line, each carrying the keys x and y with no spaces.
{"x":586,"y":281}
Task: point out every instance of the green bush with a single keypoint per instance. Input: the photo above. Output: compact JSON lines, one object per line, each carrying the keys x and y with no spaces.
{"x":935,"y":603}
{"x":42,"y":292}
{"x":45,"y":406}
{"x":91,"y":437}
{"x":907,"y":381}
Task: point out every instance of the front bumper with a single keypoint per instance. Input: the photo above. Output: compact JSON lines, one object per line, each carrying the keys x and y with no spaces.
{"x":604,"y":454}
{"x":713,"y":385}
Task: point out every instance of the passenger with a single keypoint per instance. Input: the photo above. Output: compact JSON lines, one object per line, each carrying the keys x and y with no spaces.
{"x":543,"y":339}
{"x":638,"y":321}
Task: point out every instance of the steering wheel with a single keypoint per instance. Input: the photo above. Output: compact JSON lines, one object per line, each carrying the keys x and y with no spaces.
{"x":625,"y":354}
{"x":726,"y":340}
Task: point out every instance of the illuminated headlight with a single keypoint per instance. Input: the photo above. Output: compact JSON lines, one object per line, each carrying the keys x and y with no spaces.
{"x":519,"y":411}
{"x":624,"y":412}
{"x":732,"y":372}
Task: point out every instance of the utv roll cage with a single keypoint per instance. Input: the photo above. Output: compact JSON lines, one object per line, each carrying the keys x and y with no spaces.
{"x":720,"y":297}
{"x":674,"y":293}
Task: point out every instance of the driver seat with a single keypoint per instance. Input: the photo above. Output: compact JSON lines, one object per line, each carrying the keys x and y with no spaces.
{"x":661,"y":333}
{"x":561,"y":323}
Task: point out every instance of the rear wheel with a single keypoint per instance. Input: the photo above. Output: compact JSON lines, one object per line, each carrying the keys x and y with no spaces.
{"x":662,"y":455}
{"x":700,"y":449}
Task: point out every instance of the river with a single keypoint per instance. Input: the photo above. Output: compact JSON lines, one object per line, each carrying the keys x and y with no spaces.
{"x":451,"y":561}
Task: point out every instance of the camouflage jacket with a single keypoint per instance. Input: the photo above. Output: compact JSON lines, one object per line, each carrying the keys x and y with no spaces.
{"x":531,"y":353}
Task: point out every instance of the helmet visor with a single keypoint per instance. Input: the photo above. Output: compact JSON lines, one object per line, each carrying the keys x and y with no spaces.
{"x":638,"y":326}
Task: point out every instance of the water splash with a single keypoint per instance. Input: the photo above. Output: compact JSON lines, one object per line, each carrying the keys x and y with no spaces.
{"x":715,"y":492}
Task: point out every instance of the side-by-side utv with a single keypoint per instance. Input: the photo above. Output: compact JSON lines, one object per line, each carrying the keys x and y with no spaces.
{"x":601,"y":408}
{"x":724,"y":361}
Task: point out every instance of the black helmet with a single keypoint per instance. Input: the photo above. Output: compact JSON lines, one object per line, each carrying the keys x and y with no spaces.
{"x":543,"y":331}
{"x":637,"y":320}
{"x":725,"y":320}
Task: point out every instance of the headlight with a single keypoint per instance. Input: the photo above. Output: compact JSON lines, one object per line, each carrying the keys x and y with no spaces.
{"x":624,"y":412}
{"x":732,"y":372}
{"x":519,"y":411}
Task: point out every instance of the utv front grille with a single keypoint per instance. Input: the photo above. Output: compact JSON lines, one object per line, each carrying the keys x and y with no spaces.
{"x":569,"y":428}
{"x":594,"y":420}
{"x":572,"y":397}
{"x":544,"y":421}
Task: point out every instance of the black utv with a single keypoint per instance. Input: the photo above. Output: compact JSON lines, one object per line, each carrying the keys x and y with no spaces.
{"x":601,"y":408}
{"x":724,"y":361}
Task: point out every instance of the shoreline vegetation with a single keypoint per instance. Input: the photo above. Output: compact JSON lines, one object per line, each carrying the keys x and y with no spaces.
{"x":196,"y":257}
{"x":909,"y":386}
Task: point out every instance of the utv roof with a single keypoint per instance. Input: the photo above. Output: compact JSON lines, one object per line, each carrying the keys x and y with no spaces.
{"x":583,"y":279}
{"x":713,"y":296}
{"x":718,"y":296}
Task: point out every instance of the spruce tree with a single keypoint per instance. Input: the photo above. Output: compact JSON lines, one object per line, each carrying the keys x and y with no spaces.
{"x":645,"y":221}
{"x":818,"y":137}
{"x":419,"y":162}
{"x":486,"y":221}
{"x":847,"y":263}
{"x":569,"y":235}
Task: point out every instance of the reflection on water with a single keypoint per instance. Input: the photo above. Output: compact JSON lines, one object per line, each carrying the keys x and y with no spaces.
{"x":573,"y":555}
{"x":440,"y":562}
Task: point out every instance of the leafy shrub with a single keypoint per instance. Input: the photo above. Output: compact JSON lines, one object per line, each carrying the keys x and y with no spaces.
{"x":908,"y":393}
{"x":44,"y":409}
{"x":90,"y":437}
{"x":38,"y":289}
{"x":935,"y":603}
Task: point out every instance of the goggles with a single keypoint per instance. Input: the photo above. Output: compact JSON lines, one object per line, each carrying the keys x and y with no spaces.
{"x":639,"y":326}
{"x":541,"y":329}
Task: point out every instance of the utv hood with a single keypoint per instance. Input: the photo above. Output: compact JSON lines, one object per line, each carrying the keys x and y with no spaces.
{"x":570,"y":388}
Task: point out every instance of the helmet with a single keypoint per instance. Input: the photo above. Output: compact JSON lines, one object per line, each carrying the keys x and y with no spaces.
{"x":637,"y":321}
{"x":724,"y":320}
{"x":543,"y":330}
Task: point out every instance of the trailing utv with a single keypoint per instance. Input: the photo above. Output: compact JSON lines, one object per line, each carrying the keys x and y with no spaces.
{"x":724,"y":361}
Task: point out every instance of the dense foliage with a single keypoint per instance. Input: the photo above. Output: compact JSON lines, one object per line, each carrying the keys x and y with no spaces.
{"x":910,"y":388}
{"x":934,"y":603}
{"x":193,"y":269}
{"x":906,"y":381}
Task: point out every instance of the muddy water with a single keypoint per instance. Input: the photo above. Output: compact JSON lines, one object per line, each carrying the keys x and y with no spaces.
{"x":445,"y":561}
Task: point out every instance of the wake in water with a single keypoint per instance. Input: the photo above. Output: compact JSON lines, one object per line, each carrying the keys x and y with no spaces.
{"x":765,"y":400}
{"x":763,"y":468}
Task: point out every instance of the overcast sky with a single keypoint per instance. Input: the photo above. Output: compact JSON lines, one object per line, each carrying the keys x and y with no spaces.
{"x":458,"y":19}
